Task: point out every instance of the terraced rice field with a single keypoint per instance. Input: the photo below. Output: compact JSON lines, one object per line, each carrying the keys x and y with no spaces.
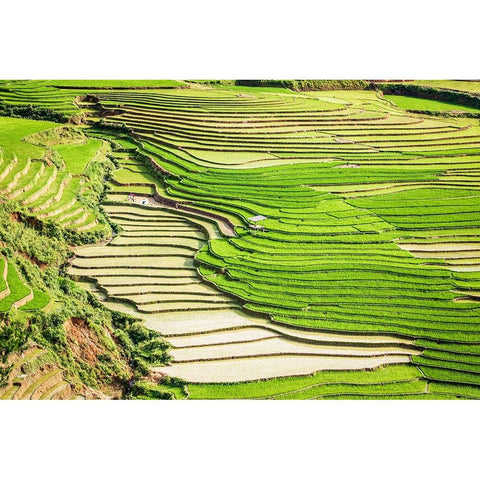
{"x":362,"y":278}
{"x":367,"y":256}
{"x":422,"y":104}
{"x":39,"y":94}
{"x":51,"y":191}
{"x":35,"y":376}
{"x":149,"y":270}
{"x":61,"y":95}
{"x":14,"y":293}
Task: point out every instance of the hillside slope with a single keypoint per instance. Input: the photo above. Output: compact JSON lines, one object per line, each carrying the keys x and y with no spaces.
{"x":56,"y":340}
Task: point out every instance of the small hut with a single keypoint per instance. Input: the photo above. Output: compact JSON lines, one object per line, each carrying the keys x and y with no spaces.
{"x":257,"y":223}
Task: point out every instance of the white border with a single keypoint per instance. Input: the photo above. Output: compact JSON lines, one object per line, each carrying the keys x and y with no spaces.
{"x":239,"y":439}
{"x":247,"y":39}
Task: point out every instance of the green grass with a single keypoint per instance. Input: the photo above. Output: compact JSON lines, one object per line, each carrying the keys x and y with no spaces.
{"x":13,"y":130}
{"x":40,"y":300}
{"x":254,"y":90}
{"x":340,"y":381}
{"x":18,"y":289}
{"x":37,"y":93}
{"x":63,"y":149}
{"x":446,"y":209}
{"x":127,"y":176}
{"x":414,"y":103}
{"x":322,"y":264}
{"x":76,"y":157}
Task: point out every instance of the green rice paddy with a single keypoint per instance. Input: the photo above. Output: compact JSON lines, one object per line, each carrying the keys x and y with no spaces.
{"x":76,"y":157}
{"x":47,"y":169}
{"x":411,"y":103}
{"x":370,"y":228}
{"x":324,"y":261}
{"x":16,"y":294}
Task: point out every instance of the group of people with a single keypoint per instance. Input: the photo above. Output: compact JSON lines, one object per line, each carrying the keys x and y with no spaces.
{"x":131,"y":199}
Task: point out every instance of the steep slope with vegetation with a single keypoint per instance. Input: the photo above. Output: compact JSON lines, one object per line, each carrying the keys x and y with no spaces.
{"x":57,"y":340}
{"x":93,"y":352}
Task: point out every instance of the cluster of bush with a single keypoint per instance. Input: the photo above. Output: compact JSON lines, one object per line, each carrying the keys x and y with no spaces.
{"x":13,"y":335}
{"x":31,"y":112}
{"x":307,"y":85}
{"x":19,"y":236}
{"x":144,"y":347}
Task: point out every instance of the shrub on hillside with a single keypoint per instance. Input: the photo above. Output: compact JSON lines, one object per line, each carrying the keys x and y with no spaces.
{"x":307,"y":85}
{"x":31,"y":112}
{"x":13,"y":334}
